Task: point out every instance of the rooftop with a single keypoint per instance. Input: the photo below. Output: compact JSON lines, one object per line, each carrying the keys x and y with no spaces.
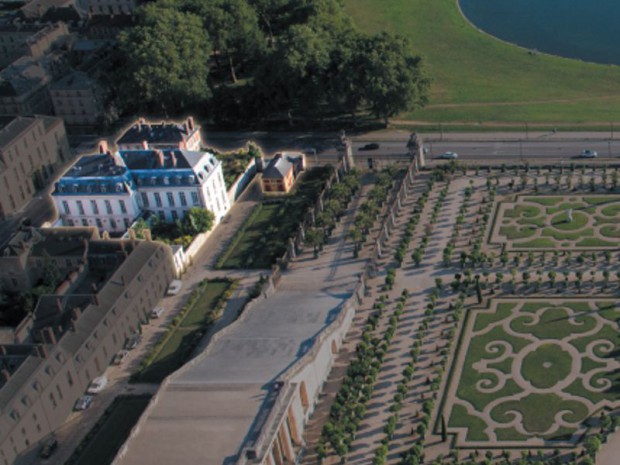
{"x":281,"y":164}
{"x":76,"y":80}
{"x":157,"y":133}
{"x":22,"y":76}
{"x":49,"y":241}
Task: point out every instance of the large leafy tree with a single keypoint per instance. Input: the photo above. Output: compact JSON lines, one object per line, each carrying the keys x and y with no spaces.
{"x":232,"y":27}
{"x":197,"y":220}
{"x":166,"y":60}
{"x":393,"y":77}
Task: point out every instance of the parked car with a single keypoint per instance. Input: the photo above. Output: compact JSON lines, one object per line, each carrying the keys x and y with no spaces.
{"x":157,"y":312}
{"x":97,"y":385}
{"x":448,"y":156}
{"x":83,"y":402}
{"x":120,"y":357}
{"x":133,"y":341}
{"x":370,"y":146}
{"x":587,"y":153}
{"x":48,"y":448}
{"x":174,"y":287}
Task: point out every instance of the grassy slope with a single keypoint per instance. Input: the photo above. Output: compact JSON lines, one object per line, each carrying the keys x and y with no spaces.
{"x":469,"y":68}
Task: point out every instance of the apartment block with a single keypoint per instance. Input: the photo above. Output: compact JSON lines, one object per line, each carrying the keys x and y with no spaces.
{"x":73,"y":335}
{"x":77,"y":99}
{"x":110,"y":191}
{"x":31,"y":151}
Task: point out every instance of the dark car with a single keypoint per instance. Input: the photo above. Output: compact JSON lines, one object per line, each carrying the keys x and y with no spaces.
{"x":371,"y":146}
{"x":48,"y":448}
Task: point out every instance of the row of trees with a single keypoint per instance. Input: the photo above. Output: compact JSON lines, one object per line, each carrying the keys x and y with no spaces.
{"x":335,"y":201}
{"x":252,"y":59}
{"x":369,"y":210}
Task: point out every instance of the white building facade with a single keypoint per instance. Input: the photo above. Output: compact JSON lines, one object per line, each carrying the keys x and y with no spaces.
{"x":112,"y":191}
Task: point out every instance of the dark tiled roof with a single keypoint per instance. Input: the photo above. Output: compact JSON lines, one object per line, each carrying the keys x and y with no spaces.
{"x":155,"y":133}
{"x":281,"y":165}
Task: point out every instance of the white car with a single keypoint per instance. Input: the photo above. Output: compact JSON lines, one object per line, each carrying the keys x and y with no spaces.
{"x":587,"y":153}
{"x":97,"y":385}
{"x":448,"y":156}
{"x":174,"y":287}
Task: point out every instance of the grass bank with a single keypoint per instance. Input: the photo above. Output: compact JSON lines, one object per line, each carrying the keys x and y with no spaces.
{"x":480,"y":80}
{"x":204,"y":306}
{"x":101,"y":444}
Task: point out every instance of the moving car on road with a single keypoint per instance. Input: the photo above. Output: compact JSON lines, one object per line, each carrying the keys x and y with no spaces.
{"x":448,"y":156}
{"x":587,"y":153}
{"x":371,"y":146}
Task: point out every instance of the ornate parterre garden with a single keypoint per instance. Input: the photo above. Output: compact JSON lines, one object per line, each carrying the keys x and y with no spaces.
{"x":529,"y":372}
{"x":542,"y":222}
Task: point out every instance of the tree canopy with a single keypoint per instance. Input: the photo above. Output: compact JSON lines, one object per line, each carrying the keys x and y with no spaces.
{"x":267,"y":58}
{"x":166,"y":60}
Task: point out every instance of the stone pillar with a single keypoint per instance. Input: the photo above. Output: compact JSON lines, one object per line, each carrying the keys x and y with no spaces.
{"x":392,"y":218}
{"x":286,"y":443}
{"x":292,"y":424}
{"x":302,"y":232}
{"x":399,"y":204}
{"x":378,"y":246}
{"x":291,"y":248}
{"x":405,"y":188}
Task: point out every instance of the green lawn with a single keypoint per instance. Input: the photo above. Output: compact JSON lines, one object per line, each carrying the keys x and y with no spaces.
{"x":182,"y":339}
{"x":264,"y":237}
{"x":108,"y":435}
{"x":479,"y":79}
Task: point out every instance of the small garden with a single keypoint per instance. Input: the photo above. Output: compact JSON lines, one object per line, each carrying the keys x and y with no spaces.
{"x":235,"y":163}
{"x":204,"y":306}
{"x":182,"y":232}
{"x":103,"y":441}
{"x":263,"y":238}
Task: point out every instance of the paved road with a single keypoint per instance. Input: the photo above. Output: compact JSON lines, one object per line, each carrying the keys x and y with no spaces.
{"x":532,"y":146}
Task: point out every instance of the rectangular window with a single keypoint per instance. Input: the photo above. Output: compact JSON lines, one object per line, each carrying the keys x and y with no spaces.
{"x":121,"y":203}
{"x":157,"y":199}
{"x":93,"y":204}
{"x":145,"y":200}
{"x":80,"y":207}
{"x":112,"y":223}
{"x":174,"y":215}
{"x":170,"y":199}
{"x":127,"y":223}
{"x":183,"y":199}
{"x":84,"y":222}
{"x":65,"y":207}
{"x":195,"y":198}
{"x":99,"y":223}
{"x":108,"y":207}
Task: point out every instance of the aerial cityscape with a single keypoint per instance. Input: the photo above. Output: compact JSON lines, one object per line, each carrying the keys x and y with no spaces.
{"x":316,"y":232}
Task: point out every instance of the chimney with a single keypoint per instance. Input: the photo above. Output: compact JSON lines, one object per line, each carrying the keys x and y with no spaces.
{"x":147,"y":235}
{"x":173,"y":159}
{"x":160,"y":158}
{"x":105,"y":236}
{"x":103,"y":146}
{"x":190,"y":123}
{"x":123,"y":281}
{"x":142,"y":121}
{"x":59,"y":304}
{"x":6,"y":376}
{"x":96,"y":299}
{"x":48,"y":335}
{"x":145,"y":145}
{"x":76,"y":313}
{"x":42,"y":351}
{"x":2,"y":350}
{"x":132,"y":234}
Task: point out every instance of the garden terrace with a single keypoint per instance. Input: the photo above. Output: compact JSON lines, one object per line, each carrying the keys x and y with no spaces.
{"x":542,"y":222}
{"x":530,"y":372}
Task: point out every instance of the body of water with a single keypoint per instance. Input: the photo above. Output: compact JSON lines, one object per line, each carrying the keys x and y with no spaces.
{"x":585,"y":29}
